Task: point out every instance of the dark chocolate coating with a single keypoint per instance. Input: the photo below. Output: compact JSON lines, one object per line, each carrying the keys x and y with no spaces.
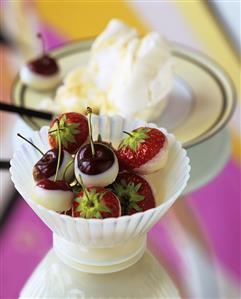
{"x":45,"y":66}
{"x":46,"y":166}
{"x":99,"y":163}
{"x":51,"y":185}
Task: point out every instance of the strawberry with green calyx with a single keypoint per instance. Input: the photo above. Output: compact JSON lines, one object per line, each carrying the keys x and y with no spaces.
{"x":144,"y":150}
{"x":96,"y":163}
{"x":96,"y":202}
{"x":134,"y":193}
{"x":73,"y":129}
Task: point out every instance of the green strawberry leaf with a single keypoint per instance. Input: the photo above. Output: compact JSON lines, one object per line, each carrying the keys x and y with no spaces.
{"x":98,"y":215}
{"x":104,"y":208}
{"x":135,"y":138}
{"x":135,"y":206}
{"x":90,"y":205}
{"x":128,"y":194}
{"x":68,"y":131}
{"x":74,"y":125}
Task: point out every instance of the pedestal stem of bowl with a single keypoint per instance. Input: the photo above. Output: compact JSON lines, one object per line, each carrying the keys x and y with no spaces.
{"x":99,"y":260}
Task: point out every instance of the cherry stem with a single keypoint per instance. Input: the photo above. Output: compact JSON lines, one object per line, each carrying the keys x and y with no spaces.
{"x":74,"y":183}
{"x":84,"y":188}
{"x":89,"y":112}
{"x":59,"y":150}
{"x":19,"y":135}
{"x":128,"y":133}
{"x":67,"y":167}
{"x":40,"y":36}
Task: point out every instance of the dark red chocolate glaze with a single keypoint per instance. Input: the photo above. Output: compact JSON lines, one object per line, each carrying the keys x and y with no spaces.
{"x":45,"y":66}
{"x":46,"y":166}
{"x":99,"y":163}
{"x":52,"y":185}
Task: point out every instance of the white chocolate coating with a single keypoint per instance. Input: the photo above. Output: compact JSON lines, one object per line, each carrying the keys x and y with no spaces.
{"x":38,"y":82}
{"x":55,"y":200}
{"x":98,"y":180}
{"x":156,"y":163}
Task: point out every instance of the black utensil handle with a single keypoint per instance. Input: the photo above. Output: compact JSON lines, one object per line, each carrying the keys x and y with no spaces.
{"x":4,"y":164}
{"x":25,"y":111}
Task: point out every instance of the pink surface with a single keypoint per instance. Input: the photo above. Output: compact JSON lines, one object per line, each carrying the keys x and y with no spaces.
{"x":24,"y":242}
{"x":218,"y":208}
{"x":163,"y":248}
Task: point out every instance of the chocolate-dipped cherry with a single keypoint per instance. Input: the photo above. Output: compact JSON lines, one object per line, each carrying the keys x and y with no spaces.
{"x":53,"y":195}
{"x":95,"y":162}
{"x":42,"y":73}
{"x":96,"y":169}
{"x":45,"y":168}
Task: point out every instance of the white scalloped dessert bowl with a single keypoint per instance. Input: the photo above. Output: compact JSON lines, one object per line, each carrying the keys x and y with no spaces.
{"x":112,"y":244}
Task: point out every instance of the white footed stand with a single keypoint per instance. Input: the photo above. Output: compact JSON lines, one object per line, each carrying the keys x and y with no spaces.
{"x":70,"y":271}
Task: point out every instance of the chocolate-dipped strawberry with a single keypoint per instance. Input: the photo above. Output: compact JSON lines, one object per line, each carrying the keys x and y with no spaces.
{"x":96,"y":202}
{"x":134,"y":192}
{"x":96,"y":162}
{"x":53,"y":195}
{"x":144,"y":150}
{"x":42,"y":73}
{"x":73,"y":129}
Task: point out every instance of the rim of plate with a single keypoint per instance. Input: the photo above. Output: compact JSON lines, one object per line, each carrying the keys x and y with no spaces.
{"x":181,"y":51}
